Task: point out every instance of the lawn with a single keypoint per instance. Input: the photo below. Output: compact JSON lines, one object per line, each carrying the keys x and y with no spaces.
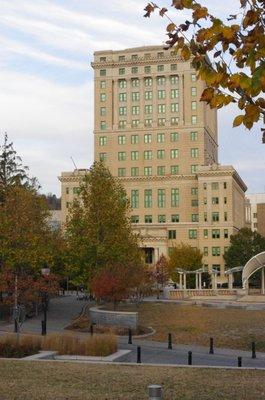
{"x":68,"y":381}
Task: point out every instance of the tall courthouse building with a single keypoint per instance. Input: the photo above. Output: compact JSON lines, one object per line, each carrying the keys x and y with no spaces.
{"x":155,"y":135}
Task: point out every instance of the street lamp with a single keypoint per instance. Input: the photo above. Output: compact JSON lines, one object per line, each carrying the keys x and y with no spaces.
{"x":45,"y":272}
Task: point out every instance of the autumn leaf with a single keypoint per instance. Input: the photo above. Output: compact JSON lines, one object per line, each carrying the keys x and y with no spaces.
{"x":238,"y":120}
{"x":163,"y":11}
{"x":185,"y":52}
{"x":171,"y":27}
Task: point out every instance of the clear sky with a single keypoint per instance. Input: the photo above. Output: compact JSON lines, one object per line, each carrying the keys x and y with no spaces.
{"x":46,"y":90}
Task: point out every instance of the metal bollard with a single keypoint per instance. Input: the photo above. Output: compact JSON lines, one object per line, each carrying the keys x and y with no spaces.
{"x":43,"y":328}
{"x":239,"y":362}
{"x":169,"y":346}
{"x":190,"y":358}
{"x":253,"y":348}
{"x":139,"y":360}
{"x":155,"y":392}
{"x":91,"y":329}
{"x":211,"y":351}
{"x":130,"y":336}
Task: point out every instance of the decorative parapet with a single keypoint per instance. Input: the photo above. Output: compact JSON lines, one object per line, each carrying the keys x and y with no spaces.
{"x":100,"y":316}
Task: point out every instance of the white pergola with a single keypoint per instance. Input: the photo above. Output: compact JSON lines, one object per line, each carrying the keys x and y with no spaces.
{"x":253,"y":265}
{"x":198,"y":273}
{"x":230,"y":272}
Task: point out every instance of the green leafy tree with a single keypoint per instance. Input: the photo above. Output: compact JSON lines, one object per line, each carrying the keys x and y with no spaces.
{"x":98,"y":231}
{"x":243,"y":246}
{"x":228,"y":56}
{"x":187,"y":258}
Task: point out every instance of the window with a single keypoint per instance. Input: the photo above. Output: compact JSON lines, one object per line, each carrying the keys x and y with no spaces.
{"x":160,"y":54}
{"x":205,"y":217}
{"x":102,"y":111}
{"x":160,"y":138}
{"x":175,"y":218}
{"x":174,"y":153}
{"x":193,"y":169}
{"x":193,"y":234}
{"x":148,"y":109}
{"x":215,"y":185}
{"x":161,"y":170}
{"x":135,"y":219}
{"x":225,"y":185}
{"x":102,"y":96}
{"x":174,"y":197}
{"x":103,"y":72}
{"x":226,"y":233}
{"x":134,"y":139}
{"x":134,"y":57}
{"x":147,"y":55}
{"x":122,"y":110}
{"x":160,"y":154}
{"x":102,"y":140}
{"x":147,"y":171}
{"x":174,"y":67}
{"x":147,"y":138}
{"x":135,"y":82}
{"x":121,"y":139}
{"x":161,"y":94}
{"x":216,"y":251}
{"x":205,"y":233}
{"x":194,"y":119}
{"x":121,"y":172}
{"x":135,"y":198}
{"x":148,"y":95}
{"x":148,"y":154}
{"x":194,"y":191}
{"x":135,"y":96}
{"x":147,"y":69}
{"x":215,"y":216}
{"x":122,"y":124}
{"x":148,"y":81}
{"x":225,"y":216}
{"x":174,"y":169}
{"x":102,"y":156}
{"x":172,"y":234}
{"x":160,"y":68}
{"x":161,"y":108}
{"x":122,"y":83}
{"x":102,"y":84}
{"x":148,"y":122}
{"x":215,"y":200}
{"x":161,"y":121}
{"x":135,"y":123}
{"x":194,"y":202}
{"x":216,"y":267}
{"x":216,"y":233}
{"x":68,"y":204}
{"x":161,"y":80}
{"x":205,"y":251}
{"x":193,"y":78}
{"x":174,"y":137}
{"x":174,"y":107}
{"x":148,"y":198}
{"x":121,"y":155}
{"x":67,"y":190}
{"x":194,"y":91}
{"x":134,"y":70}
{"x":174,"y":121}
{"x":76,"y":190}
{"x":135,"y":110}
{"x":161,"y":219}
{"x":174,"y":93}
{"x":194,"y":217}
{"x":194,"y":153}
{"x":134,"y":171}
{"x":103,"y":125}
{"x":205,"y":187}
{"x":225,"y":200}
{"x":121,"y":71}
{"x":134,"y":155}
{"x":174,"y":79}
{"x":194,"y":105}
{"x":161,"y":198}
{"x":121,"y":58}
{"x":194,"y":136}
{"x":148,"y":219}
{"x":122,"y":96}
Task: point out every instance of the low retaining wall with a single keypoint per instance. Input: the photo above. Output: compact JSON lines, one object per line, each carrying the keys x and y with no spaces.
{"x":113,"y":318}
{"x":173,"y":294}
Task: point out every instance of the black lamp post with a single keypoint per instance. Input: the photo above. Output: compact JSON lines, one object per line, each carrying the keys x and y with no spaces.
{"x":44,"y":272}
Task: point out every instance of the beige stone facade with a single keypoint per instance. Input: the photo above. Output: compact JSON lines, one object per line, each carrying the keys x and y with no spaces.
{"x":155,"y":135}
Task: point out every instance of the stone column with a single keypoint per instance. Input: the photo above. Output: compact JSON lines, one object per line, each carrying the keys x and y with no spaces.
{"x":200,"y":280}
{"x":230,"y":281}
{"x":184,"y":282}
{"x":180,"y":281}
{"x":262,"y":281}
{"x":197,"y":281}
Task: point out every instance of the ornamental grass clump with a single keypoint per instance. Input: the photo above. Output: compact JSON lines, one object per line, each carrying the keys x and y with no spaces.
{"x":13,"y":346}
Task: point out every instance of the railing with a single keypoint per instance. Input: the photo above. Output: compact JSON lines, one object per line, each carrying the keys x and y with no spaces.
{"x":187,"y":293}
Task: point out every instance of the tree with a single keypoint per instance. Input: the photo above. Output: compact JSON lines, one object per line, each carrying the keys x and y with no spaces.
{"x":184,"y":257}
{"x":161,"y":273}
{"x":98,"y":231}
{"x":243,"y":246}
{"x":229,"y":57}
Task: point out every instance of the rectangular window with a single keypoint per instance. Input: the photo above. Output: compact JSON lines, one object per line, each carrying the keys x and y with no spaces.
{"x":148,"y":81}
{"x":174,"y":120}
{"x":134,"y":155}
{"x":215,"y":200}
{"x":148,"y":198}
{"x":216,"y":233}
{"x":148,"y":219}
{"x":121,"y":58}
{"x":122,"y":110}
{"x":122,"y":96}
{"x":225,"y":216}
{"x":205,"y":251}
{"x":174,"y":107}
{"x":121,"y":71}
{"x":103,"y":97}
{"x":135,"y":82}
{"x":135,"y":110}
{"x":121,"y":139}
{"x":174,"y":169}
{"x":174,"y":153}
{"x":134,"y":57}
{"x":148,"y":138}
{"x":215,"y":216}
{"x":174,"y":79}
{"x":225,"y":200}
{"x":194,"y":191}
{"x":148,"y":109}
{"x":205,"y":200}
{"x":193,"y":78}
{"x":175,"y":197}
{"x":161,"y":94}
{"x":205,"y":233}
{"x":225,"y":185}
{"x":103,"y":125}
{"x":174,"y":67}
{"x":121,"y":172}
{"x":102,"y":156}
{"x":160,"y":68}
{"x":161,"y":80}
{"x":161,"y":219}
{"x":161,"y":108}
{"x":160,"y":138}
{"x":175,"y":218}
{"x":194,"y":153}
{"x":76,"y":190}
{"x":172,"y":234}
{"x":135,"y":219}
{"x":148,"y":122}
{"x":102,"y":84}
{"x":147,"y":69}
{"x":147,"y":171}
{"x":193,"y":234}
{"x":103,"y":72}
{"x":216,"y":251}
{"x":121,"y":155}
{"x":161,"y":121}
{"x":160,"y":54}
{"x":194,"y":136}
{"x":122,"y":124}
{"x":194,"y":203}
{"x":148,"y":154}
{"x":174,"y":137}
{"x":161,"y":170}
{"x":134,"y":171}
{"x":194,"y":91}
{"x":215,"y":185}
{"x":161,"y":198}
{"x":135,"y":123}
{"x":122,"y":83}
{"x":135,"y":198}
{"x":194,"y":105}
{"x":135,"y":96}
{"x":194,"y":217}
{"x":134,"y":139}
{"x":205,"y":217}
{"x":102,"y":111}
{"x":174,"y":93}
{"x":226,"y":233}
{"x":193,"y":169}
{"x":148,"y":95}
{"x":134,"y":70}
{"x":194,"y":119}
{"x":160,"y":154}
{"x":102,"y":140}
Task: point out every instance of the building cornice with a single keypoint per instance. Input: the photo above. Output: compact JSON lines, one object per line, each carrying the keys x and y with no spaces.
{"x":157,"y":178}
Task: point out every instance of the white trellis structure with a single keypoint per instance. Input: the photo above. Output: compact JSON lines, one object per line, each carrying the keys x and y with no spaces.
{"x":198,"y":275}
{"x":255,"y":264}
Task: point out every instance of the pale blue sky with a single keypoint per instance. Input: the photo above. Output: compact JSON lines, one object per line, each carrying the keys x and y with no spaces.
{"x":46,"y":92}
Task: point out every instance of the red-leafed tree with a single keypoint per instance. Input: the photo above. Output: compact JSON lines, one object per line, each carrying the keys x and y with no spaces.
{"x":161,"y":273}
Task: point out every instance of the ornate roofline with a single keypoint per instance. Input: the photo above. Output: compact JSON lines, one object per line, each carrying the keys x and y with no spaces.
{"x":138,"y":61}
{"x":157,"y":178}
